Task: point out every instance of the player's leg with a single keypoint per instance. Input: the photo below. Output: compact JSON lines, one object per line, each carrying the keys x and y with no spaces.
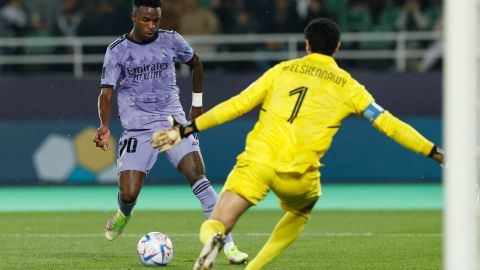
{"x":130,"y":184}
{"x":245,"y":187}
{"x":135,"y":158}
{"x":186,"y":157}
{"x":228,"y":210}
{"x":298,"y":195}
{"x":192,"y":167}
{"x":284,"y":233}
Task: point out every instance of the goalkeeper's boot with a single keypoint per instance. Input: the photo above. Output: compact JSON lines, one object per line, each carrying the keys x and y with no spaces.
{"x":235,"y":256}
{"x":115,"y":225}
{"x":209,"y":253}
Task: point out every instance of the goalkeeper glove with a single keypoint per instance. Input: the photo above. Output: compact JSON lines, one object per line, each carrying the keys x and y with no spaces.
{"x":437,"y":154}
{"x":165,"y":139}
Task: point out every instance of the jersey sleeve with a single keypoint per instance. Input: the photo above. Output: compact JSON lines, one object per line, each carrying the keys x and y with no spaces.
{"x":402,"y":133}
{"x":182,"y":49}
{"x":238,"y":105}
{"x":111,"y":69}
{"x":362,"y":102}
{"x":359,"y":98}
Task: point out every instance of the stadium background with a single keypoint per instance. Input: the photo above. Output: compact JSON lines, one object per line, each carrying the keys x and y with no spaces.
{"x":48,"y":116}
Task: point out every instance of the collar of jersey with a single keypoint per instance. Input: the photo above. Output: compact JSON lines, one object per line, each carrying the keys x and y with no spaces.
{"x":142,"y":43}
{"x":321,"y":57}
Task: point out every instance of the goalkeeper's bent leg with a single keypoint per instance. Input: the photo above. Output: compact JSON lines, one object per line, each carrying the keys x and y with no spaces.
{"x":284,"y":233}
{"x":212,"y":234}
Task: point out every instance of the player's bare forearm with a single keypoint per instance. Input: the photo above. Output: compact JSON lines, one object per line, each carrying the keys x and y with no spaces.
{"x":105,"y":106}
{"x":197,"y":74}
{"x":195,"y":112}
{"x":102,"y":136}
{"x":197,"y":84}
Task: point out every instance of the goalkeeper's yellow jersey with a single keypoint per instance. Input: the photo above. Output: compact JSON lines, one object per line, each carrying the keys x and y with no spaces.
{"x":303,"y":102}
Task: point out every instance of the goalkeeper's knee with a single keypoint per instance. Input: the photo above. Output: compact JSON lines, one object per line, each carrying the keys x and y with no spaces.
{"x":303,"y":215}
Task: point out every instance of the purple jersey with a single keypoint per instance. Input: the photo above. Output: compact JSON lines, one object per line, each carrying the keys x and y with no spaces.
{"x":147,"y":90}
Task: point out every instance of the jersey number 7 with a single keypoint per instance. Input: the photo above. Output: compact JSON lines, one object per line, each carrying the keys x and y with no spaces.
{"x":301,"y":91}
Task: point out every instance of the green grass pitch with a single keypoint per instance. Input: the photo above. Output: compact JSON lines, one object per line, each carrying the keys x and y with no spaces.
{"x":331,"y":240}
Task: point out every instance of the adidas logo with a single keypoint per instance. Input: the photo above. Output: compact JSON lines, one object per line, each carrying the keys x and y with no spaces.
{"x":130,"y":59}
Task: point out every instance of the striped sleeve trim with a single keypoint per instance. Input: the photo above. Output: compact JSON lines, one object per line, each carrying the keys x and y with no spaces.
{"x":106,"y":86}
{"x":118,"y":41}
{"x":191,"y":60}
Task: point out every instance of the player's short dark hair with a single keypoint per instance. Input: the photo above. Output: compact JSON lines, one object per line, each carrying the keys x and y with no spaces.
{"x":323,"y":35}
{"x":147,"y":3}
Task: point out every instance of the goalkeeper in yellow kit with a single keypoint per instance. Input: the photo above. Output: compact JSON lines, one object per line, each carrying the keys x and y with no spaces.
{"x":303,"y":102}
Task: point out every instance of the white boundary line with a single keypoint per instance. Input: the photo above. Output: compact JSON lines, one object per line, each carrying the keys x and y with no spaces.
{"x":174,"y":235}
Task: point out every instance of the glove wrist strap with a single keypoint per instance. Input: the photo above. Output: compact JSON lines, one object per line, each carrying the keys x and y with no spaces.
{"x":435,"y":150}
{"x":188,"y":129}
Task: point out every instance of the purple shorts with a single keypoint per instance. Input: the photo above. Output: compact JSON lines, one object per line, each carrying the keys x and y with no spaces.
{"x":136,"y":153}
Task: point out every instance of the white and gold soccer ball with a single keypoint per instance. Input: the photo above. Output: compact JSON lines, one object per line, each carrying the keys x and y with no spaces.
{"x":155,"y":249}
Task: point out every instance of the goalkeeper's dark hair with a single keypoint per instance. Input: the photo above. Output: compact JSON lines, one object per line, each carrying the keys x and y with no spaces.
{"x":147,"y":3}
{"x":323,"y":35}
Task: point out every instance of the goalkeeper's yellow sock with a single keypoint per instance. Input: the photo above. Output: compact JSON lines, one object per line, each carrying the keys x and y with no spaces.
{"x":209,"y":228}
{"x":284,"y":233}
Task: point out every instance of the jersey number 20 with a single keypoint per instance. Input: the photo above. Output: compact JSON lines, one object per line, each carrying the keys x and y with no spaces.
{"x":301,"y":91}
{"x":129,"y":144}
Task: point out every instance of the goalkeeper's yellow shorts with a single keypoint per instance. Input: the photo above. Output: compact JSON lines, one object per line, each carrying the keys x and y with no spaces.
{"x":253,"y":181}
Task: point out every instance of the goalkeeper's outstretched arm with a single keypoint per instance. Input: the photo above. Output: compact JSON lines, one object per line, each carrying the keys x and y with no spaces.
{"x":401,"y":132}
{"x":221,"y":113}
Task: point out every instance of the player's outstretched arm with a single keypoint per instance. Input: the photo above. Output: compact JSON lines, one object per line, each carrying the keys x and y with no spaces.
{"x":226,"y":111}
{"x":401,"y":132}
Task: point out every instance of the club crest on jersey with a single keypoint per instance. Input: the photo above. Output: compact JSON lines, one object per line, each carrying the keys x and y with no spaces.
{"x":164,"y":52}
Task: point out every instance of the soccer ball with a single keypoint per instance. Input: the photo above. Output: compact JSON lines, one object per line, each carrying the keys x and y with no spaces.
{"x":155,"y":249}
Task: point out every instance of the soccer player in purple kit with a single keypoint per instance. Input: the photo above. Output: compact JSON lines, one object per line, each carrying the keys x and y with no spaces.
{"x":142,"y":61}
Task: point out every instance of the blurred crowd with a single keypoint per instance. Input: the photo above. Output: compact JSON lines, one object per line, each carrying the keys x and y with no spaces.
{"x":111,"y":17}
{"x":32,"y":18}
